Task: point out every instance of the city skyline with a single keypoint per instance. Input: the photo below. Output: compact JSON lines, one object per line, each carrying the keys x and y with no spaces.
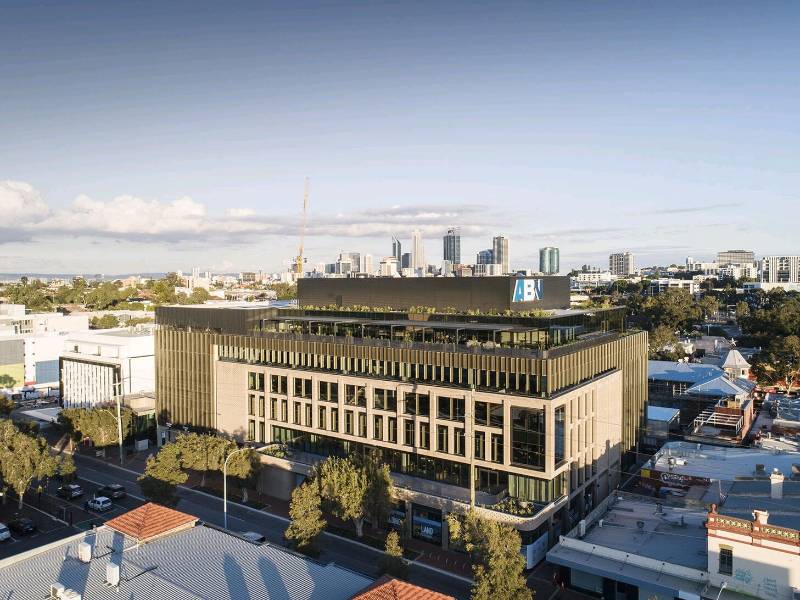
{"x":140,"y":138}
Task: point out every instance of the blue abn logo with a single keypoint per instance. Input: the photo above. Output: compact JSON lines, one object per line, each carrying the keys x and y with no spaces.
{"x":527,"y":290}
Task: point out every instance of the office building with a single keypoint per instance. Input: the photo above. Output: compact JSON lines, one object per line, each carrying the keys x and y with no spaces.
{"x":405,"y":261}
{"x":621,"y":264}
{"x":549,"y":260}
{"x":738,"y":258}
{"x":780,"y":269}
{"x":500,"y":253}
{"x":389,"y":267}
{"x":98,"y":365}
{"x":397,"y":250}
{"x":156,"y":553}
{"x":543,"y":406}
{"x":658,"y":286}
{"x":485,"y":257}
{"x":452,"y":246}
{"x":417,"y":251}
{"x":366,"y":264}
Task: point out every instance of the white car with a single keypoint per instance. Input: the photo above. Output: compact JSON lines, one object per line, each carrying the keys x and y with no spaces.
{"x":99,"y":504}
{"x":5,"y":534}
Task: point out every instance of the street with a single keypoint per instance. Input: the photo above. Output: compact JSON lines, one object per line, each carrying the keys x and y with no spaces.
{"x":343,"y":552}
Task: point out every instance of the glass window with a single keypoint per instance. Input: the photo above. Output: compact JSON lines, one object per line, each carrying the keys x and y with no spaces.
{"x":261,"y":408}
{"x":334,"y":419}
{"x":528,"y":437}
{"x":408,"y":432}
{"x":262,"y":432}
{"x":417,"y":404}
{"x":277,"y":384}
{"x":377,"y":427}
{"x":322,"y":418}
{"x":481,"y":413}
{"x":560,"y":434}
{"x":441,"y":438}
{"x":302,"y":387}
{"x":274,"y":409}
{"x":348,"y":422}
{"x":458,"y":441}
{"x":284,"y":411}
{"x":497,"y":448}
{"x":393,"y":430}
{"x":255,"y":381}
{"x":726,"y":561}
{"x":251,"y":430}
{"x":309,"y":416}
{"x":251,"y":405}
{"x":385,"y":399}
{"x":425,"y":436}
{"x":496,"y":415}
{"x":298,"y":409}
{"x":355,"y":395}
{"x":451,"y":409}
{"x":328,"y":391}
{"x":362,"y":424}
{"x":480,"y":445}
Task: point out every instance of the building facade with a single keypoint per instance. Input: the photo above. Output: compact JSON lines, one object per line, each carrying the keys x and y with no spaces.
{"x":622,"y":264}
{"x":500,"y":254}
{"x":99,"y":365}
{"x":452,"y":246}
{"x":524,"y":411}
{"x":780,"y":269}
{"x":736,"y":258}
{"x":417,"y":251}
{"x":549,"y":260}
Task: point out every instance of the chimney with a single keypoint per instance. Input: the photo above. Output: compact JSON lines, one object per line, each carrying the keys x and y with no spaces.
{"x":761,"y":516}
{"x":776,"y":485}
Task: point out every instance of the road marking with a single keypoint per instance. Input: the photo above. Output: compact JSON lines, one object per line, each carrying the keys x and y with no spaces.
{"x":97,"y":483}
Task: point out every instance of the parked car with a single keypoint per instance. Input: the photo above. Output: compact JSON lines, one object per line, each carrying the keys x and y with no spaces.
{"x":22,"y":526}
{"x":254,"y":537}
{"x":70,"y":491}
{"x":99,"y":504}
{"x":114,"y":491}
{"x":5,"y":534}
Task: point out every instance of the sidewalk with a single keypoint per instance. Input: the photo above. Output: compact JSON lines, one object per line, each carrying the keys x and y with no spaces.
{"x":427,"y":554}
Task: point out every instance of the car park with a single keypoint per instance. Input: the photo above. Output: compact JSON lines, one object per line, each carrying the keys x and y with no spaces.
{"x":114,"y":491}
{"x":99,"y":504}
{"x":5,"y":533}
{"x":22,"y":526}
{"x":70,"y":491}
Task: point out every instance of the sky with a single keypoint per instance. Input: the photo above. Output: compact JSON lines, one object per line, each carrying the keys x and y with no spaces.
{"x":153,"y":136}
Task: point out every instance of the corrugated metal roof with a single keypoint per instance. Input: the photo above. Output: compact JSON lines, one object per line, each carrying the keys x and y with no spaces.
{"x":666,"y":370}
{"x":197,"y":563}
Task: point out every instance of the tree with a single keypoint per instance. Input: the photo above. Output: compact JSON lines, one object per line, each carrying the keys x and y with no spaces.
{"x":345,"y":486}
{"x":97,"y":424}
{"x":708,"y":305}
{"x":202,"y":453}
{"x":497,"y":564}
{"x":199,"y":296}
{"x":66,"y":468}
{"x":162,"y":475}
{"x":742,"y":311}
{"x":378,"y":500}
{"x":392,"y":561}
{"x":779,"y":363}
{"x":6,"y":405}
{"x":105,"y":322}
{"x":23,"y":459}
{"x":664,"y":344}
{"x":306,"y":514}
{"x":244,"y":466}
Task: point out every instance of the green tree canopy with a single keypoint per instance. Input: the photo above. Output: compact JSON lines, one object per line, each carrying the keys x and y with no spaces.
{"x":104,"y":322}
{"x":162,"y":475}
{"x":307,"y":522}
{"x":497,"y":564}
{"x":24,"y":458}
{"x":97,"y":424}
{"x":392,"y":561}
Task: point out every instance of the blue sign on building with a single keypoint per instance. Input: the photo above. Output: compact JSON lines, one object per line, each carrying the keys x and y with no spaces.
{"x":527,"y":290}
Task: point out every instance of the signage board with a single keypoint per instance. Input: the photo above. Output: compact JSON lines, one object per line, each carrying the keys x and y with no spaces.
{"x":527,"y":290}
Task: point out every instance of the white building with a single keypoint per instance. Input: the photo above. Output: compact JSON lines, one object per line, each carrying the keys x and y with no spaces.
{"x":417,"y":251}
{"x":780,"y":269}
{"x":389,"y":267}
{"x":97,"y":365}
{"x":621,"y":264}
{"x":15,"y":321}
{"x":658,"y":286}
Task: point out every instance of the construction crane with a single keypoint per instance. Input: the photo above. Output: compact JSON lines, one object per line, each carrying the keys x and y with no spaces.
{"x":299,"y":263}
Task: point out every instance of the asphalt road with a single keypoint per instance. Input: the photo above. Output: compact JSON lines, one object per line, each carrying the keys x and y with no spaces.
{"x":343,"y":552}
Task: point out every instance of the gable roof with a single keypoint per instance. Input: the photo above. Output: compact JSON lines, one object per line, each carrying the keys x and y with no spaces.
{"x":718,"y":387}
{"x":667,"y":370}
{"x":150,"y":521}
{"x":387,"y":588}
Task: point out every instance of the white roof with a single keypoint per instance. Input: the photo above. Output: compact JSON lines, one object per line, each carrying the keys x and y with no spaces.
{"x":735,"y":360}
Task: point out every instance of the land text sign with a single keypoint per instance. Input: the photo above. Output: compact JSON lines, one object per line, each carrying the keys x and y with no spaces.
{"x":527,"y":290}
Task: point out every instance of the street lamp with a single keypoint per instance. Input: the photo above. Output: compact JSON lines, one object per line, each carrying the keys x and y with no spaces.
{"x":225,"y":476}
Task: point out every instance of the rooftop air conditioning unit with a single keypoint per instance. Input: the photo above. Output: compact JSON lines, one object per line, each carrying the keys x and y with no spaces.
{"x":112,"y":574}
{"x":581,"y":528}
{"x":85,"y":552}
{"x":56,"y":589}
{"x":71,"y":595}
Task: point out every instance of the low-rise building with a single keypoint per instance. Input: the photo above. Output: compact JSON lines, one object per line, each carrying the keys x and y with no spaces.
{"x":657,"y":286}
{"x":153,"y":553}
{"x":96,"y":366}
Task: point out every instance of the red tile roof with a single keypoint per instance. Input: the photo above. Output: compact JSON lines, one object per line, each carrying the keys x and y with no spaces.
{"x":387,"y":588}
{"x":151,"y":521}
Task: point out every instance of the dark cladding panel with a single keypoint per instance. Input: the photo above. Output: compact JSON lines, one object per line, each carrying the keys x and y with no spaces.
{"x":212,"y":318}
{"x":460,"y":293}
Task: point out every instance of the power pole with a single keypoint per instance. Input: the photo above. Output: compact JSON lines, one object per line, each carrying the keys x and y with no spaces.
{"x":119,"y":423}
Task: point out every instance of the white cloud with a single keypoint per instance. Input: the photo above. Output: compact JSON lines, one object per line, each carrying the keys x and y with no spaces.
{"x":184,"y":219}
{"x":20,"y":204}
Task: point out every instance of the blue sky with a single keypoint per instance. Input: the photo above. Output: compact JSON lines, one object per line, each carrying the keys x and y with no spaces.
{"x":146,"y":136}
